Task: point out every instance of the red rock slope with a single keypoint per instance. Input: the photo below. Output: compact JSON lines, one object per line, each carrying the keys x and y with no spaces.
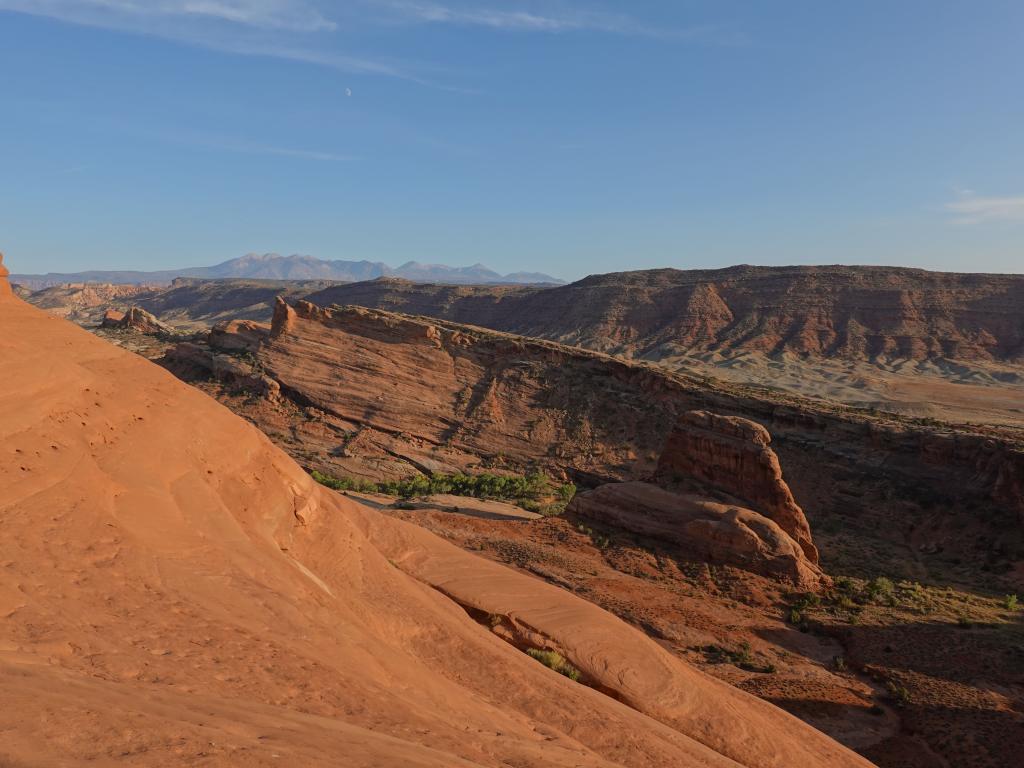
{"x":174,"y":590}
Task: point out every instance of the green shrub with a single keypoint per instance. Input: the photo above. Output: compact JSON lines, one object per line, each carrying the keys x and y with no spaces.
{"x":899,"y":693}
{"x":556,"y":661}
{"x":529,"y":490}
{"x":1010,"y":602}
{"x":880,"y":590}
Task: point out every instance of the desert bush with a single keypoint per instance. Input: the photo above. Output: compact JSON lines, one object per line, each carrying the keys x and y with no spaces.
{"x":899,"y":693}
{"x":1010,"y":602}
{"x":530,"y":490}
{"x":555,"y":661}
{"x":880,"y":590}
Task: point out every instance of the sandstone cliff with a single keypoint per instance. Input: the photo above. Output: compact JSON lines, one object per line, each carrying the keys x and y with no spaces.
{"x":177,"y":589}
{"x":857,"y":313}
{"x":382,"y":395}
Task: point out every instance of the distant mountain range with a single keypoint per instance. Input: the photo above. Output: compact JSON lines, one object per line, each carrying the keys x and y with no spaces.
{"x":272,"y":266}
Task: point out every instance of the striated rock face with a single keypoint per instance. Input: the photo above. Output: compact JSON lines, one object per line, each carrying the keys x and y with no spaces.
{"x":175,"y":586}
{"x":451,"y":397}
{"x":733,"y":455}
{"x":703,"y":528}
{"x":850,"y":313}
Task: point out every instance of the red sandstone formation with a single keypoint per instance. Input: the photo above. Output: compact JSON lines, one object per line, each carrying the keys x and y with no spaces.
{"x":734,"y":455}
{"x":141,"y":321}
{"x":177,"y":589}
{"x":728,"y":502}
{"x":704,"y":528}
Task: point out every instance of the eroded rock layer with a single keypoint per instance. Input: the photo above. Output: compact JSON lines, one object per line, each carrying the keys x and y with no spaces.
{"x":858,"y":313}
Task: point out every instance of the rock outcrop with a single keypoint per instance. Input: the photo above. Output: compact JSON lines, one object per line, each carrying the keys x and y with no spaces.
{"x":112,"y":318}
{"x":702,"y":528}
{"x":177,"y":589}
{"x":242,"y":336}
{"x":734,"y":455}
{"x":718,"y":494}
{"x":139,"y":320}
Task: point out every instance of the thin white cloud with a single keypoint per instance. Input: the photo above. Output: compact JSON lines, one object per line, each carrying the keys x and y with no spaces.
{"x":302,"y":154}
{"x":264,"y":28}
{"x":976,"y":209}
{"x":296,"y":15}
{"x":567,"y":20}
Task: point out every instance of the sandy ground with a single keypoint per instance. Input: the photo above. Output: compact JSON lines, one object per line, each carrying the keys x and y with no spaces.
{"x":967,"y":393}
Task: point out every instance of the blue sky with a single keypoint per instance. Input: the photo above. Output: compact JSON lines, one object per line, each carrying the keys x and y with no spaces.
{"x":563,"y":136}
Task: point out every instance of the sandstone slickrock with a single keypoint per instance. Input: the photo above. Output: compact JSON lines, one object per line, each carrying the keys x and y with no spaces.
{"x":734,"y":455}
{"x":177,"y":589}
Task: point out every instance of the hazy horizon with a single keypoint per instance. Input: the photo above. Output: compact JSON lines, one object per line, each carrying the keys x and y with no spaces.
{"x":568,"y":138}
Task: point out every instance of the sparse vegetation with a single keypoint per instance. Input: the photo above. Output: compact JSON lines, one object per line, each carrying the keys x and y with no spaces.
{"x":534,"y":492}
{"x":880,"y":590}
{"x":1010,"y":602}
{"x":741,"y":657}
{"x":556,"y":661}
{"x":898,"y":693}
